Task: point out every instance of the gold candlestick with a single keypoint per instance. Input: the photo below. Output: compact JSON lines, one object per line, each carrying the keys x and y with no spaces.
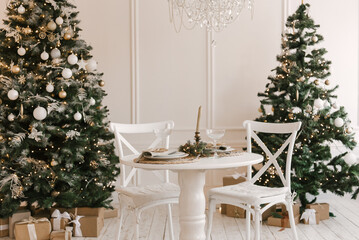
{"x":197,"y":133}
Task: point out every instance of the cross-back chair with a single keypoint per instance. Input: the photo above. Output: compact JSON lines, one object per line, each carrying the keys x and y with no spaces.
{"x":247,"y":194}
{"x":137,"y":198}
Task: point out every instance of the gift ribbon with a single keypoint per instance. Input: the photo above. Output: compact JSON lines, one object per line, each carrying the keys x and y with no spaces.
{"x":57,"y":216}
{"x":32,"y":231}
{"x":309,"y":216}
{"x":78,"y":232}
{"x":4,"y":227}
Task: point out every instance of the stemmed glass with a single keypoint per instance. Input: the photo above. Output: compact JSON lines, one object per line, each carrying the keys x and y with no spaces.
{"x":215,"y":135}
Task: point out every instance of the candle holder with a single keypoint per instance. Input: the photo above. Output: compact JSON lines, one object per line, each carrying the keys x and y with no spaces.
{"x":197,"y":137}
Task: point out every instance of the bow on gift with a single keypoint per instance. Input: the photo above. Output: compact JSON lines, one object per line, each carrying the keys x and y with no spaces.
{"x":309,"y":216}
{"x":31,"y":226}
{"x":77,"y":225}
{"x":57,"y":216}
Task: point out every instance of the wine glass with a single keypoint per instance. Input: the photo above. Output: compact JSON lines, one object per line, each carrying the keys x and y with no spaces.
{"x":215,"y":134}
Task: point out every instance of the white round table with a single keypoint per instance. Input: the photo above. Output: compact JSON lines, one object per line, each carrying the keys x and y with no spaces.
{"x":191,"y":178}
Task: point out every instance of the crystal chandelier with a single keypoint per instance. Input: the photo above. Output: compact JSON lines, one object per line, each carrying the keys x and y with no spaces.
{"x":212,"y":14}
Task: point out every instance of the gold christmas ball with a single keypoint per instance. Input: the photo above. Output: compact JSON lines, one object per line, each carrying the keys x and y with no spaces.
{"x":316,"y":82}
{"x":62,"y":94}
{"x":15,"y":69}
{"x":54,"y":163}
{"x":316,"y":118}
{"x":27,"y":30}
{"x":67,"y":36}
{"x":291,"y":116}
{"x":101,"y":83}
{"x":1,"y":138}
{"x":55,"y":193}
{"x":327,"y":82}
{"x":42,"y":35}
{"x":92,"y":124}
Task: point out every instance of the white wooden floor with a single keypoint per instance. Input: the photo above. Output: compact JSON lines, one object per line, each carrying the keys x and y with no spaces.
{"x":344,"y":226}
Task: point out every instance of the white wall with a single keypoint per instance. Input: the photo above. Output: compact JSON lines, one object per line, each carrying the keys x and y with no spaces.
{"x":160,"y":74}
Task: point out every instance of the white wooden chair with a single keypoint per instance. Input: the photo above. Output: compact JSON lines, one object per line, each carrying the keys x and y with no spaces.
{"x":247,"y":194}
{"x":138,"y":198}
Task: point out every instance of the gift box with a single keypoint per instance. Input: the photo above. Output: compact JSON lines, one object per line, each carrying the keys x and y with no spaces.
{"x":59,"y":220}
{"x":310,"y":216}
{"x":4,"y":227}
{"x":281,"y":220}
{"x":87,"y":226}
{"x":321,"y":208}
{"x":85,"y":211}
{"x":61,"y":235}
{"x":230,"y":210}
{"x":282,"y":208}
{"x":33,"y":229}
{"x":111,"y":213}
{"x":16,"y":217}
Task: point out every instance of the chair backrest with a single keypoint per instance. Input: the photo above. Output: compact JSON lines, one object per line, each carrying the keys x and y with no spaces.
{"x":161,"y":131}
{"x":254,"y":127}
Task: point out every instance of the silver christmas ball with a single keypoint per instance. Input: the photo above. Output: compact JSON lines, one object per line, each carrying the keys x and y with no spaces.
{"x":21,"y":51}
{"x":55,"y":53}
{"x":91,"y":65}
{"x":59,"y":21}
{"x":44,"y":55}
{"x":50,"y":88}
{"x":77,"y":116}
{"x":350,"y":158}
{"x":72,"y":59}
{"x":13,"y":94}
{"x":51,"y":26}
{"x":66,"y":73}
{"x":339,"y":122}
{"x":21,"y":9}
{"x":40,"y":113}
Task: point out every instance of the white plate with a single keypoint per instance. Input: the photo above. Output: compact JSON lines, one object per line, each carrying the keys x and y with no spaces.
{"x":167,"y":157}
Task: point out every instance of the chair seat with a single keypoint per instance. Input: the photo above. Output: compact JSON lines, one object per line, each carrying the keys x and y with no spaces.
{"x":149,"y":193}
{"x":247,"y":192}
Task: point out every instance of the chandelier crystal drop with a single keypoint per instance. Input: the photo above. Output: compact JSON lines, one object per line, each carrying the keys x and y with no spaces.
{"x":211,"y":14}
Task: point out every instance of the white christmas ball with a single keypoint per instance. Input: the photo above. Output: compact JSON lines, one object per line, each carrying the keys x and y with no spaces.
{"x":315,"y":38}
{"x":40,"y":113}
{"x":59,"y":21}
{"x":11,"y":117}
{"x":339,"y":122}
{"x":44,"y":55}
{"x":77,"y":116}
{"x":66,"y":73}
{"x":350,"y":158}
{"x":21,"y":9}
{"x":91,"y":65}
{"x":319,"y":103}
{"x":55,"y":53}
{"x":50,"y":88}
{"x":21,"y":51}
{"x":13,"y":94}
{"x":92,"y":101}
{"x":72,"y":59}
{"x":335,"y":105}
{"x":51,"y":26}
{"x":326,"y":104}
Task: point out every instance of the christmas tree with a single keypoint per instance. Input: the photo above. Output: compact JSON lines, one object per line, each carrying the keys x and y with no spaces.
{"x":300,"y":91}
{"x":55,"y":144}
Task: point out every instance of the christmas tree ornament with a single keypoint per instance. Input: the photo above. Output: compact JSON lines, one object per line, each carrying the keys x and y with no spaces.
{"x":21,"y":9}
{"x":91,"y":65}
{"x":296,"y":110}
{"x":62,"y":94}
{"x":349,"y":130}
{"x":11,"y":117}
{"x":13,"y":94}
{"x":67,"y":36}
{"x":327,"y":82}
{"x":40,"y":113}
{"x":101,"y":83}
{"x":72,"y":59}
{"x":316,"y":118}
{"x":335,"y":105}
{"x":59,"y":20}
{"x":22,"y":110}
{"x":82,"y":64}
{"x":0,"y":101}
{"x":55,"y":193}
{"x":54,"y":163}
{"x":301,"y":79}
{"x":21,"y":51}
{"x":15,"y":69}
{"x":326,"y":104}
{"x":51,"y":37}
{"x":92,"y":101}
{"x":316,"y":82}
{"x":55,"y":53}
{"x":350,"y":158}
{"x":42,"y":35}
{"x":51,"y":26}
{"x":319,"y":103}
{"x":44,"y":55}
{"x":66,"y":73}
{"x":50,"y":88}
{"x":315,"y":38}
{"x":27,"y":30}
{"x":291,"y":116}
{"x":1,"y":138}
{"x":77,"y":116}
{"x":339,"y":122}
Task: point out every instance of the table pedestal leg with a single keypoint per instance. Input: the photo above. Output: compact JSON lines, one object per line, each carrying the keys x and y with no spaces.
{"x":192,"y":204}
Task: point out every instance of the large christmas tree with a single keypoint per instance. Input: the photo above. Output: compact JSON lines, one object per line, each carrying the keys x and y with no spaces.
{"x":300,"y":91}
{"x":55,"y":144}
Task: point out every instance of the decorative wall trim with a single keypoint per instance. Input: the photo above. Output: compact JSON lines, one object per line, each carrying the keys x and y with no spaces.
{"x":135,"y":72}
{"x":210,"y":78}
{"x":285,"y":12}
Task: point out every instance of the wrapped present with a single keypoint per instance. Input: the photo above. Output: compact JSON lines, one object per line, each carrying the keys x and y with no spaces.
{"x":281,"y":220}
{"x":16,"y":217}
{"x":62,"y":234}
{"x":87,"y":226}
{"x":230,"y":210}
{"x":111,"y":213}
{"x":59,"y":220}
{"x":4,"y":227}
{"x":32,"y":229}
{"x":321,"y":208}
{"x":310,"y":216}
{"x":85,"y":211}
{"x":296,"y":209}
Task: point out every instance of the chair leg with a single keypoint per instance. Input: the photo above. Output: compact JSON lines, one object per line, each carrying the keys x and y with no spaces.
{"x":289,"y":206}
{"x":122,"y":213}
{"x":257,"y":222}
{"x":248,"y":223}
{"x":169,"y":208}
{"x":211,"y":208}
{"x":138,"y":219}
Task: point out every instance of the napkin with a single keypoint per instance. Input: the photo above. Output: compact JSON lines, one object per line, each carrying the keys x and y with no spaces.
{"x":158,"y":154}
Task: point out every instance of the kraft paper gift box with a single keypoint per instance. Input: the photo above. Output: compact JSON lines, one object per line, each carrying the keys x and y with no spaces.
{"x":32,"y":228}
{"x":280,"y":220}
{"x":310,"y":216}
{"x":61,"y":235}
{"x":87,"y":226}
{"x":4,"y":227}
{"x":16,"y":217}
{"x":296,"y":208}
{"x":321,"y":208}
{"x":86,"y":211}
{"x":59,"y":220}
